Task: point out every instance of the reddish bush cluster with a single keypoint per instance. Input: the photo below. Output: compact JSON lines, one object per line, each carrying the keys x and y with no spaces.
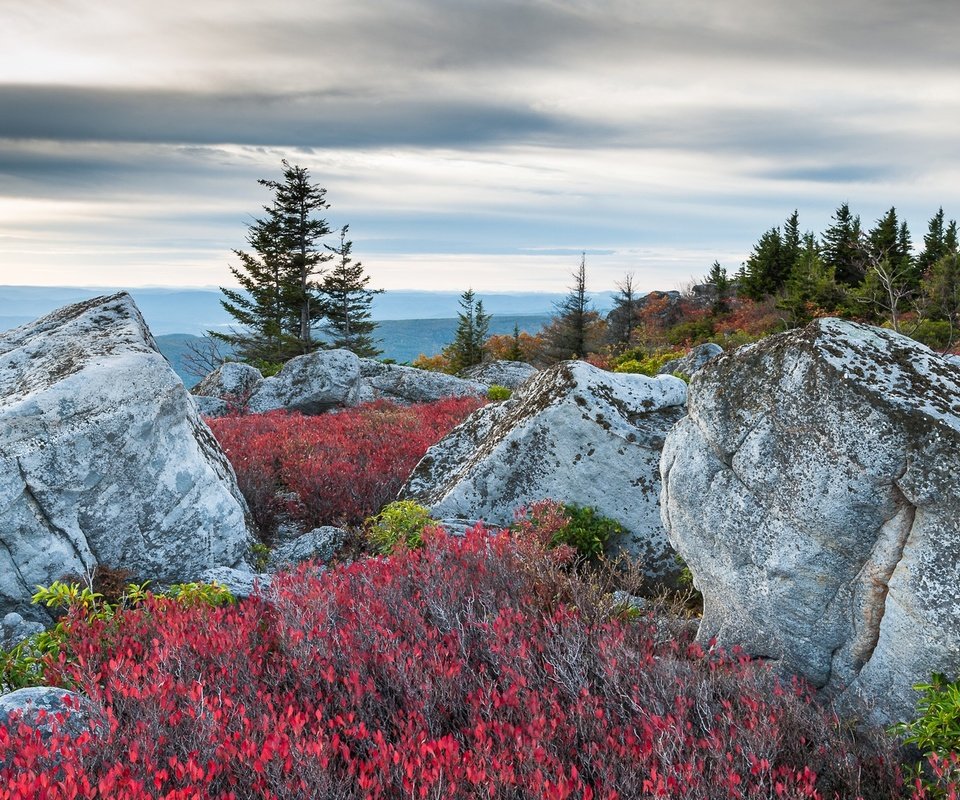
{"x":447,"y":672}
{"x":342,"y":467}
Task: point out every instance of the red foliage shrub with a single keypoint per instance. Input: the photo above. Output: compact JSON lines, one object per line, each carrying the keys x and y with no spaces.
{"x":342,"y":467}
{"x":436,"y":673}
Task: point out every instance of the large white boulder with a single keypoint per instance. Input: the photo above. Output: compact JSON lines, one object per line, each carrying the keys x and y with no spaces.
{"x":104,"y":459}
{"x":401,"y":384}
{"x":512,"y":374}
{"x":574,"y":433}
{"x":813,"y":491}
{"x":311,"y":384}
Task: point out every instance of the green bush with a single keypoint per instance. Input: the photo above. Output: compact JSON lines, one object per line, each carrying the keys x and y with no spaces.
{"x":936,"y":731}
{"x":692,"y":332}
{"x":587,"y":532}
{"x":936,"y":334}
{"x":643,"y":363}
{"x":399,"y":524}
{"x":267,"y":368}
{"x":496,"y":393}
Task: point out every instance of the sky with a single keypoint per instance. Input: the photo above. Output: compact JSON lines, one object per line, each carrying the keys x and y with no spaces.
{"x":482,"y":143}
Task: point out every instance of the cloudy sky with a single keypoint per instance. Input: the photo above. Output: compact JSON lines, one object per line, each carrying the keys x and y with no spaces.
{"x":466,"y":142}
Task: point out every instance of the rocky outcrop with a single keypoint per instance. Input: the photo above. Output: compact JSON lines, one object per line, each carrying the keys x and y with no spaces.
{"x":310,"y":384}
{"x":693,"y":361}
{"x":231,"y":381}
{"x":410,"y":385}
{"x":813,"y":492}
{"x":574,"y":433}
{"x":14,"y":629}
{"x":104,"y":459}
{"x":512,"y":374}
{"x":211,"y":406}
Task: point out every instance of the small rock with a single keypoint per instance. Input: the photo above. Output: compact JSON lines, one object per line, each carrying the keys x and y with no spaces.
{"x":512,"y":374}
{"x":241,"y":583}
{"x":320,"y":544}
{"x":693,"y":361}
{"x":231,"y":381}
{"x":311,"y":384}
{"x":49,"y":710}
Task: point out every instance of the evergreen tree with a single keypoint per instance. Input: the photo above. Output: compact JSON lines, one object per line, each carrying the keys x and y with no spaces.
{"x":281,"y":299}
{"x":717,"y":278}
{"x":812,"y":287}
{"x":346,"y":303}
{"x":790,"y":247}
{"x":568,"y":334}
{"x":623,"y":316}
{"x":950,"y":243}
{"x":761,"y":272}
{"x":515,"y":353}
{"x":473,"y":326}
{"x":842,"y":248}
{"x":934,"y":242}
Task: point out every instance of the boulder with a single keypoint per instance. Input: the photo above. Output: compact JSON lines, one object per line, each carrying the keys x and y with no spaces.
{"x":14,"y":629}
{"x":50,"y":710}
{"x":574,"y":433}
{"x":512,"y":374}
{"x":242,"y":583}
{"x":812,"y":491}
{"x":231,"y":381}
{"x":693,"y":361}
{"x":311,"y":384}
{"x":320,"y":544}
{"x":104,"y":459}
{"x":411,"y":385}
{"x":211,"y":406}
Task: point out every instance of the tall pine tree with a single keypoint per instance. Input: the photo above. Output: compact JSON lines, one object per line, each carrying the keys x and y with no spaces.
{"x":473,"y":325}
{"x":569,"y":333}
{"x":346,"y":303}
{"x":280,"y":298}
{"x":842,"y":247}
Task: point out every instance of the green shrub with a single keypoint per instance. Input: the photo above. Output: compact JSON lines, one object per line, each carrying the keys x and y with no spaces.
{"x":936,"y":731}
{"x":936,"y":334}
{"x":496,"y":393}
{"x":692,"y":332}
{"x":399,"y":524}
{"x":267,"y":368}
{"x":642,"y":363}
{"x":587,"y":532}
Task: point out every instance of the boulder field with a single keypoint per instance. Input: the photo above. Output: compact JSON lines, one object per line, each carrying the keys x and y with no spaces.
{"x":572,"y":433}
{"x":104,"y":458}
{"x":813,"y":491}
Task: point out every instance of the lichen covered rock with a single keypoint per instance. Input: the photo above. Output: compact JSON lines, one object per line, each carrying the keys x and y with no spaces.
{"x":311,"y":384}
{"x":104,"y":459}
{"x":574,"y":433}
{"x":405,"y":385}
{"x":813,"y":492}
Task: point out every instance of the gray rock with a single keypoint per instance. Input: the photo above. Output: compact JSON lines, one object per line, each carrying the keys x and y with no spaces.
{"x":211,"y":406}
{"x":310,"y":384}
{"x":512,"y":374}
{"x":813,"y":492}
{"x":49,"y":710}
{"x":104,"y":459}
{"x":574,"y":433}
{"x":231,"y":381}
{"x":242,"y":583}
{"x":411,"y":385}
{"x":693,"y":361}
{"x":320,"y":544}
{"x":14,"y":629}
{"x":459,"y":526}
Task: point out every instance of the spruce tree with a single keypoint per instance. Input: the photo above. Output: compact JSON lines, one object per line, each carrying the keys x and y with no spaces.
{"x":623,"y":316}
{"x":718,"y":279}
{"x":280,"y":300}
{"x":346,"y":303}
{"x":515,"y":353}
{"x":567,"y":336}
{"x":841,"y":247}
{"x":473,"y":325}
{"x":761,"y":273}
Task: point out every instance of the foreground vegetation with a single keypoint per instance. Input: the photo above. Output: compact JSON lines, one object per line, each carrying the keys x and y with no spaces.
{"x":476,"y":667}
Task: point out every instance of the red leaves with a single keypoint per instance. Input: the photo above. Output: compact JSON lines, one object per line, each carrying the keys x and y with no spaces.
{"x":343,"y":467}
{"x":436,"y":673}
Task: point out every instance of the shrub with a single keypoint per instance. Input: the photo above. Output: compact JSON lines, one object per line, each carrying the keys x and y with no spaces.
{"x":400,"y":524}
{"x":437,"y":672}
{"x":497,"y":393}
{"x":643,"y":363}
{"x":579,"y":528}
{"x":341,"y":468}
{"x":936,"y":732}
